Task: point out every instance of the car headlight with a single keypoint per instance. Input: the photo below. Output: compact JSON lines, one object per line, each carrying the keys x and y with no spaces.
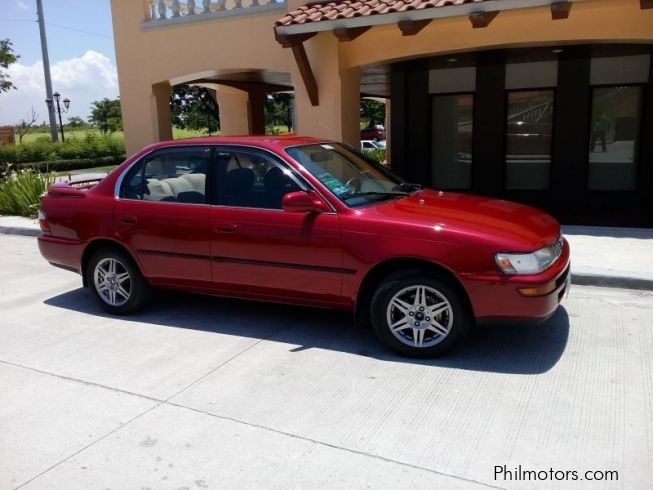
{"x":531,"y":263}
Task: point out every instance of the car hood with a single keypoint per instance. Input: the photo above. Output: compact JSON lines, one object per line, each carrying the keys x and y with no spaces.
{"x":519,"y":227}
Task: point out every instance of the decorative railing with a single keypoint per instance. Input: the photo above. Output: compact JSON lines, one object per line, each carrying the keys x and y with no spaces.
{"x":165,"y":12}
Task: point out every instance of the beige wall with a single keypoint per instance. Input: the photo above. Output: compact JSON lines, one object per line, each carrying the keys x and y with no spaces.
{"x":149,"y":60}
{"x":338,"y":115}
{"x":590,"y":21}
{"x":146,"y":57}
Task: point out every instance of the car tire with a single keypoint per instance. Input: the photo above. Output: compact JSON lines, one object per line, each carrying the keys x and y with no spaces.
{"x":116,"y":282}
{"x":419,"y":315}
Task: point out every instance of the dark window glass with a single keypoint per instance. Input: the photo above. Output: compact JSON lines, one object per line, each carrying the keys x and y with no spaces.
{"x":528,"y":139}
{"x":451,"y":153}
{"x":173,"y":175}
{"x":252,"y":180}
{"x":615,"y":129}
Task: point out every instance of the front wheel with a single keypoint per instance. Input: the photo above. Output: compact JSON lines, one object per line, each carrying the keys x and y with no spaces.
{"x":117,"y":284}
{"x":419,"y":316}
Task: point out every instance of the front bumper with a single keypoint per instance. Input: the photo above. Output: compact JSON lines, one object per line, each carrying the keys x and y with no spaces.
{"x":499,"y":297}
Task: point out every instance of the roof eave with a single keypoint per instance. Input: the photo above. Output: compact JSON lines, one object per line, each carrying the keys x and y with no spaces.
{"x":413,"y":15}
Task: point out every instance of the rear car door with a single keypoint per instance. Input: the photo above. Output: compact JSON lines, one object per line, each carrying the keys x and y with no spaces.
{"x":259,"y":249}
{"x":162,"y":215}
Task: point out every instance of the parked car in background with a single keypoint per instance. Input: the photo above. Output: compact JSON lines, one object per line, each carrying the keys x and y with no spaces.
{"x":369,"y":145}
{"x":305,"y":221}
{"x":373,"y":133}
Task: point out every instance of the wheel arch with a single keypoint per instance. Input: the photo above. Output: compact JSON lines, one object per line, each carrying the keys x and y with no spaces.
{"x":96,"y":245}
{"x":387,"y":268}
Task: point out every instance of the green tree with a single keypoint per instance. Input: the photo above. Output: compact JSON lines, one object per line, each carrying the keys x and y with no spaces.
{"x":372,"y":112}
{"x":193,"y":107}
{"x":106,"y":115}
{"x":278,"y":110}
{"x":7,"y":57}
{"x":76,"y":122}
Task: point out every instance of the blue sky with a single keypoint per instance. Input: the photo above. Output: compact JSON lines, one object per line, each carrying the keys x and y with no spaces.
{"x":80,"y":44}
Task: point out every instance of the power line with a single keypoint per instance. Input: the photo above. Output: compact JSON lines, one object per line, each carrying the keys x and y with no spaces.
{"x":79,"y":30}
{"x":60,"y":27}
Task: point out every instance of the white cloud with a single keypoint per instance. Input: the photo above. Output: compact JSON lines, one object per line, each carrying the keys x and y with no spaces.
{"x":83,"y":80}
{"x":22,"y":5}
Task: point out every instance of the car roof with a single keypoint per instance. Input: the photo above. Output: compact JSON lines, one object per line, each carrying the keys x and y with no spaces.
{"x":267,"y":141}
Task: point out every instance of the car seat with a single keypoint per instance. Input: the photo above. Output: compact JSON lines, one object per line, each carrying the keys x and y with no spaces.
{"x":238,"y":184}
{"x":276,"y":185}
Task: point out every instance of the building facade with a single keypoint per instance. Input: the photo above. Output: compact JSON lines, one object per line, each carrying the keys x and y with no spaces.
{"x":544,"y":102}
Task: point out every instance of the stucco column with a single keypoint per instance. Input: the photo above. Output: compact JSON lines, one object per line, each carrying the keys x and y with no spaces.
{"x":234,"y":110}
{"x":338,"y":114}
{"x":145,"y":115}
{"x":160,"y":111}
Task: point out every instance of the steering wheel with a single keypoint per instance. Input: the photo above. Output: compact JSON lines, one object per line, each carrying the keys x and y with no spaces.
{"x":354,"y":183}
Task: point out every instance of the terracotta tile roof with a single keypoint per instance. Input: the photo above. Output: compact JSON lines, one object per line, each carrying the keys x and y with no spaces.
{"x":348,"y":9}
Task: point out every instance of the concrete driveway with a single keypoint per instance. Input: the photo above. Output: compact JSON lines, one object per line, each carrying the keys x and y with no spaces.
{"x":202,"y":392}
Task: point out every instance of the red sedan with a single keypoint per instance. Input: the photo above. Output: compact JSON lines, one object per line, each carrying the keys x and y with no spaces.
{"x":311,"y":222}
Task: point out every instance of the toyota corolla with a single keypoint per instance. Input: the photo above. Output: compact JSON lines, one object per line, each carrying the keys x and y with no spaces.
{"x":311,"y":222}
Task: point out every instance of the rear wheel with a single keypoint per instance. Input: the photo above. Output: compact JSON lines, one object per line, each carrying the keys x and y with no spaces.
{"x":418,"y":315}
{"x":116,"y":282}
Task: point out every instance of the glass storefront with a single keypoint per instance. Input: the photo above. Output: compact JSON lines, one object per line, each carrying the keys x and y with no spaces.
{"x":451,"y":139}
{"x":529,"y":127}
{"x":614,"y":138}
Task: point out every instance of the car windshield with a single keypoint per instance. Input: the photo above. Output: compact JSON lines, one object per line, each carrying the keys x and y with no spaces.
{"x":350,"y":177}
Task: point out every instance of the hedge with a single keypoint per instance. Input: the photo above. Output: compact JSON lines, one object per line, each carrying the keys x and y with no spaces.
{"x":90,"y":147}
{"x":66,"y":165}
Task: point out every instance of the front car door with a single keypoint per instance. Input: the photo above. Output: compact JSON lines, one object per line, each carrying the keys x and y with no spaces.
{"x":260,"y":250}
{"x":162,"y":215}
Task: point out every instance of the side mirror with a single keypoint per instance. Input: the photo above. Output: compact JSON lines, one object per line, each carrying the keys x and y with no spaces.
{"x":304,"y":202}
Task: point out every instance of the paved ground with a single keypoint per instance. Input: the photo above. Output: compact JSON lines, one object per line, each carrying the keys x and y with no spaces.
{"x":611,"y":256}
{"x":207,"y":393}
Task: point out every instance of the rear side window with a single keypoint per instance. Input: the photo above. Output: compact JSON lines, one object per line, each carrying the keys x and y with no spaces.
{"x":171,"y":175}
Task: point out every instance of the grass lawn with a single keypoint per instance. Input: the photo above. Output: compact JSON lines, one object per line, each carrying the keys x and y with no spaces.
{"x":82,"y":132}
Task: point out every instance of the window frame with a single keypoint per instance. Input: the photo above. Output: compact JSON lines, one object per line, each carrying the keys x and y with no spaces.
{"x":505,"y":136}
{"x":639,"y":132}
{"x":143,"y":160}
{"x":215,"y":196}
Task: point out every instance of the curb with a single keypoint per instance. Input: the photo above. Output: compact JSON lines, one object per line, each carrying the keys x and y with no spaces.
{"x":579,"y":279}
{"x":19,"y":230}
{"x":621,"y":282}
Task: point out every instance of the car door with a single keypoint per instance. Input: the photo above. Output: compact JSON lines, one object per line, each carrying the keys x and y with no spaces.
{"x":259,"y":249}
{"x":162,"y":215}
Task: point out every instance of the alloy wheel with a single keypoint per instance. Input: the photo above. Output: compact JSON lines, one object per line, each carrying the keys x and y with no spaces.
{"x":112,"y":282}
{"x":419,"y":316}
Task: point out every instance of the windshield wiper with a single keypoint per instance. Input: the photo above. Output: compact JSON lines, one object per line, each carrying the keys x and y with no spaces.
{"x":407,"y":187}
{"x":374,"y":194}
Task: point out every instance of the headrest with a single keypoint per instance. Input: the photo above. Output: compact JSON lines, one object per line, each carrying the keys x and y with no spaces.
{"x":239,"y":180}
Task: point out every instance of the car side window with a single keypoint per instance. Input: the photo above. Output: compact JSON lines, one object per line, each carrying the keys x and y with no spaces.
{"x":252,"y":180}
{"x":171,"y":175}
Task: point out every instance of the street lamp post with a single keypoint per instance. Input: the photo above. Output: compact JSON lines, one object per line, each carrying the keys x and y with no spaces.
{"x":66,"y":103}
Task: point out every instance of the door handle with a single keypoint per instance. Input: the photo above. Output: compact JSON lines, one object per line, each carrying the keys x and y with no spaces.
{"x":226,"y":228}
{"x":128,"y":220}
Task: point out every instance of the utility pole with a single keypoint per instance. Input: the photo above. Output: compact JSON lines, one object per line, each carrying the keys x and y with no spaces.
{"x":46,"y":71}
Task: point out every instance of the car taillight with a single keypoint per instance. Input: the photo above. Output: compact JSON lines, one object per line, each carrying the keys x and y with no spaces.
{"x":43,"y":223}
